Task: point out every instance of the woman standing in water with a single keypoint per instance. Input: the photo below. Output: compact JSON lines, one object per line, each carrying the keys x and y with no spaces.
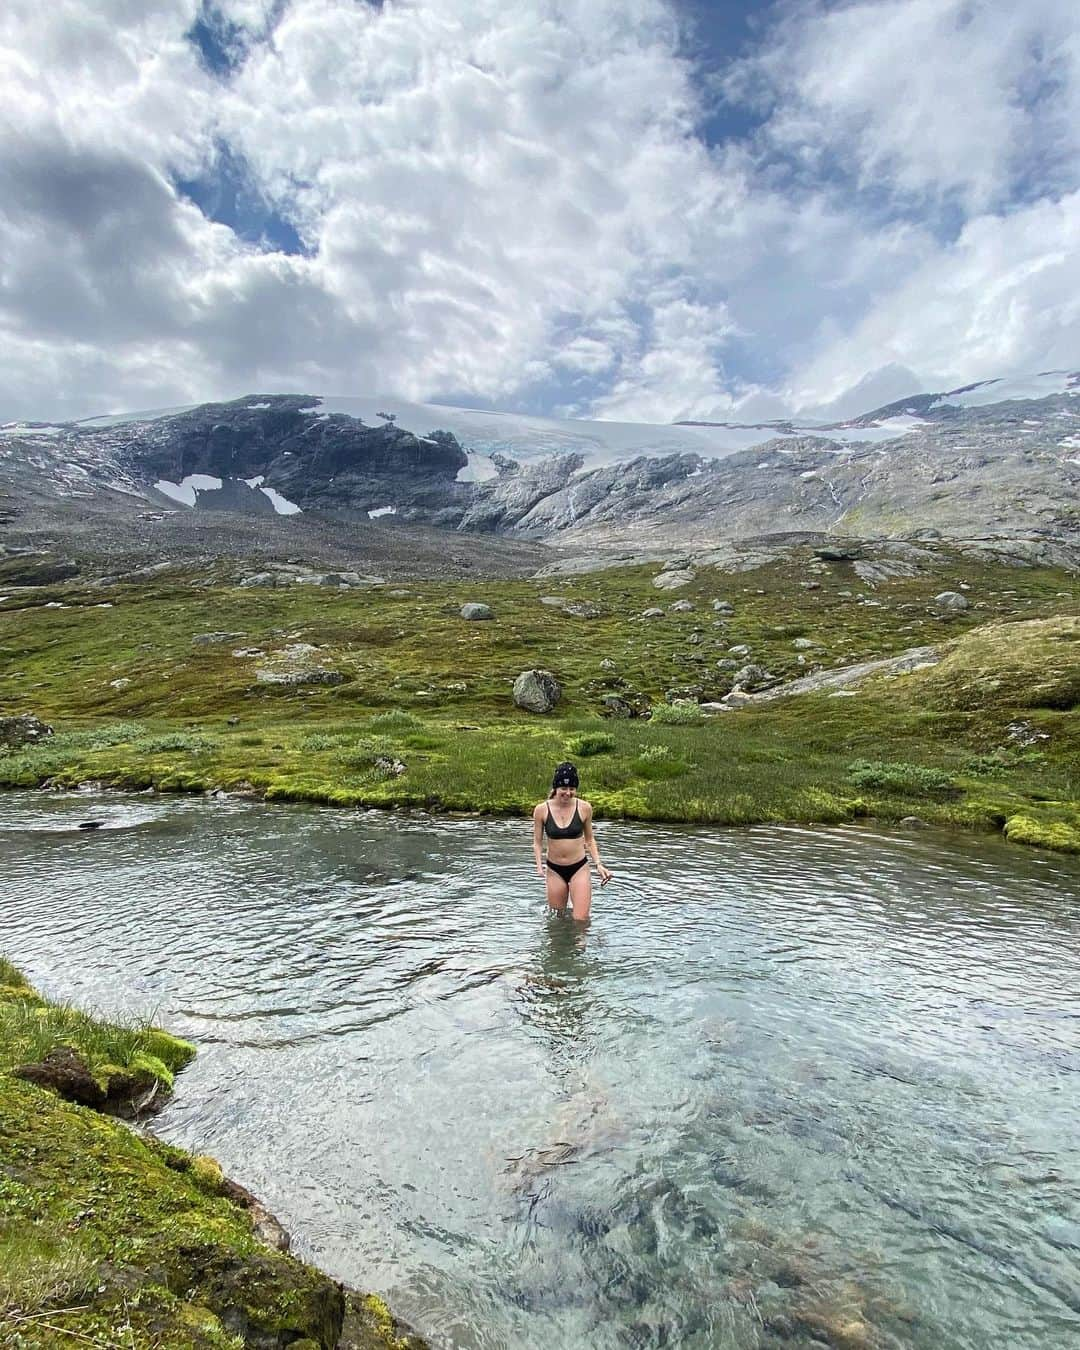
{"x":567,"y":821}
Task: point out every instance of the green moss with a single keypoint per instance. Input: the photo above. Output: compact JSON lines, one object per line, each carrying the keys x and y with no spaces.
{"x":114,"y":1238}
{"x":1023,"y":829}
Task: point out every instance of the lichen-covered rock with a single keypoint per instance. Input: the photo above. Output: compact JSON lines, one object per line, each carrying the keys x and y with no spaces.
{"x":674,"y":578}
{"x":23,"y":730}
{"x":537,"y":691}
{"x":952,"y":600}
{"x":476,"y":611}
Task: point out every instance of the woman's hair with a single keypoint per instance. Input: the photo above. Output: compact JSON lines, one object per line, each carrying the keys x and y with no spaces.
{"x":565,"y":775}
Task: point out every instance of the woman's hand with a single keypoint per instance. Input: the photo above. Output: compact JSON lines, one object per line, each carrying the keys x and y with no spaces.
{"x":605,"y":874}
{"x":540,"y":871}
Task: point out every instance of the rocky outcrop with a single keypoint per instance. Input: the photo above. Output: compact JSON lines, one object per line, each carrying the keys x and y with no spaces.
{"x":22,"y":730}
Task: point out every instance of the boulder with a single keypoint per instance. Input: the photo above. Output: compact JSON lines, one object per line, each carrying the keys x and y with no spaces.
{"x":802,"y":644}
{"x":653,"y":612}
{"x":608,"y":664}
{"x":537,"y":691}
{"x":681,"y":607}
{"x":741,"y":650}
{"x":673,"y":579}
{"x":913,"y":823}
{"x":751,"y":677}
{"x":25,"y":729}
{"x":293,"y":678}
{"x":839,"y":552}
{"x":952,"y":600}
{"x":260,"y":579}
{"x":723,"y":606}
{"x":209,"y":639}
{"x":477,"y":611}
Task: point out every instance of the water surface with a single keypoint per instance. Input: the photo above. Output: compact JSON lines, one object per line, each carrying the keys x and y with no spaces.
{"x":792,"y":1086}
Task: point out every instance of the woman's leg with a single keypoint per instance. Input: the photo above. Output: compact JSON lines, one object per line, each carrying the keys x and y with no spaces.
{"x":557,"y":890}
{"x":581,"y":892}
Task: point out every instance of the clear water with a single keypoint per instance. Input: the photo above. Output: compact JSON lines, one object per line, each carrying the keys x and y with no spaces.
{"x":791,"y":1087}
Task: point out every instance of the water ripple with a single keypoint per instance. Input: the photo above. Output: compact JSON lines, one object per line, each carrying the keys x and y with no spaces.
{"x":788,"y":1073}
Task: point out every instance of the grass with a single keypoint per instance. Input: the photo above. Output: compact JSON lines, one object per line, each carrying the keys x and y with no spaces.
{"x":114,"y":1239}
{"x":433,"y":692}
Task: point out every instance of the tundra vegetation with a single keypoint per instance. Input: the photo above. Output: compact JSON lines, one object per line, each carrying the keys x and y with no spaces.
{"x":113,"y":1238}
{"x":386,"y":697}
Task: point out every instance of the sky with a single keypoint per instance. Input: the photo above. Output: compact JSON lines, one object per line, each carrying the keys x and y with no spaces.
{"x":640,"y":210}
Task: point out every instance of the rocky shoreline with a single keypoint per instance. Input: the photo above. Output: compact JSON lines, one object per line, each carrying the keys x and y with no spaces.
{"x":109,"y":1236}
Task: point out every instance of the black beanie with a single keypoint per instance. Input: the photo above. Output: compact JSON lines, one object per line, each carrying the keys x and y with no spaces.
{"x":565,"y":776}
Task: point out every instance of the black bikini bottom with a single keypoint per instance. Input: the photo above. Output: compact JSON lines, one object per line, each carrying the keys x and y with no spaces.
{"x":567,"y":870}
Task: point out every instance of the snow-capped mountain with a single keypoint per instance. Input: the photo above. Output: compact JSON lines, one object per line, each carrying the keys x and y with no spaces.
{"x":993,"y":457}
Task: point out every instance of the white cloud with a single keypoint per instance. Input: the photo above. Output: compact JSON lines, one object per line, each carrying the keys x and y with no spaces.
{"x":510,"y":202}
{"x":926,"y":97}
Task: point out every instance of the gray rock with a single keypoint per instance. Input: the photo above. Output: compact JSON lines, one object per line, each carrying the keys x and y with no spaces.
{"x":608,"y":664}
{"x":260,"y":579}
{"x":914,"y":823}
{"x":723,"y":607}
{"x":681,"y":607}
{"x":652,"y":613}
{"x":209,"y":639}
{"x":672,"y":580}
{"x":694,"y":639}
{"x":952,"y":600}
{"x":839,"y":552}
{"x":802,"y":644}
{"x":477,"y":611}
{"x":24,"y":729}
{"x":751,"y":677}
{"x":294,"y":678}
{"x":726,"y":663}
{"x":740,"y":650}
{"x":810,"y":585}
{"x":611,"y":705}
{"x":537,"y":691}
{"x":583,"y":609}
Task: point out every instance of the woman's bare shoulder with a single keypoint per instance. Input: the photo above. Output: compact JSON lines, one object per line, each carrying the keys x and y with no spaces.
{"x":585,"y":807}
{"x":539,"y":809}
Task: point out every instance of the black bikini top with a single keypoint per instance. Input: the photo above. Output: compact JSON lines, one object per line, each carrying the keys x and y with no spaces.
{"x":554,"y":830}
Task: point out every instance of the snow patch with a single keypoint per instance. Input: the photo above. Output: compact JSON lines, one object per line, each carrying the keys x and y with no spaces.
{"x":259,"y":405}
{"x":479,"y":469}
{"x":281,"y":504}
{"x":255,"y":482}
{"x":382,"y":511}
{"x":1043,"y":385}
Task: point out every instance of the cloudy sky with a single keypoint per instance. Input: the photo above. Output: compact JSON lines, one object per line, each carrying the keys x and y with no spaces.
{"x":633,"y":209}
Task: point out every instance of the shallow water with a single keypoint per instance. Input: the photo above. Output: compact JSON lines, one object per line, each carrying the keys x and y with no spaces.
{"x":788,"y":1080}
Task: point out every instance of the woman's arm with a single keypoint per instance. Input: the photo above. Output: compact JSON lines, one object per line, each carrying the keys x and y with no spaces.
{"x":591,"y":846}
{"x":538,"y":836}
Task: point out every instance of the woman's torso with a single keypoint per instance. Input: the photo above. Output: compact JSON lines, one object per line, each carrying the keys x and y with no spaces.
{"x":567,"y":843}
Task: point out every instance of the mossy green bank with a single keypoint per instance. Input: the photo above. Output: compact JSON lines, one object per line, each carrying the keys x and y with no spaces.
{"x":422,"y":714}
{"x":112,"y":1238}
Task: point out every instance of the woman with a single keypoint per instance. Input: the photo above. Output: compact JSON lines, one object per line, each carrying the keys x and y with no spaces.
{"x":567,"y":821}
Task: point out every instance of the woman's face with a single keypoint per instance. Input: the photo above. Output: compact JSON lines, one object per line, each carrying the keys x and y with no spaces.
{"x":565,"y":795}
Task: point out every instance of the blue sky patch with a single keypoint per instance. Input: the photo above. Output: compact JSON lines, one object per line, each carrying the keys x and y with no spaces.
{"x":227,"y":195}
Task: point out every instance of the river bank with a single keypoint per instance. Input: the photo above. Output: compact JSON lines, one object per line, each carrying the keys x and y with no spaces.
{"x":111,"y":1237}
{"x":389,"y":698}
